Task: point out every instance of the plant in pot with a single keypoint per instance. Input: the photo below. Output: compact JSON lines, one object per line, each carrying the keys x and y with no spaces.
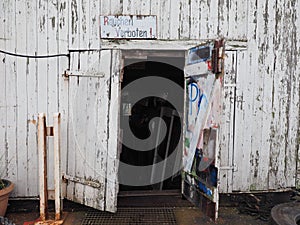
{"x":6,"y":187}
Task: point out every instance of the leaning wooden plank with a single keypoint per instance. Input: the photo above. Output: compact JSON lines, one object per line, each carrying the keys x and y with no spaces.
{"x":42,"y":150}
{"x":57,"y":163}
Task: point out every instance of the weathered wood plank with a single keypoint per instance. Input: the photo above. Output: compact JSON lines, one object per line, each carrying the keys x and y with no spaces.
{"x":105,"y":7}
{"x":116,"y":7}
{"x":184,"y":20}
{"x":94,"y":21}
{"x":31,"y":76}
{"x":112,"y":187}
{"x":63,"y":99}
{"x":84,"y":25}
{"x":226,"y":139}
{"x":174,"y":19}
{"x":165,"y":8}
{"x":243,"y":121}
{"x":52,"y":81}
{"x":195,"y":18}
{"x":155,"y":10}
{"x":74,"y":17}
{"x":223,"y":15}
{"x":126,"y":7}
{"x":292,"y":89}
{"x":297,"y":6}
{"x":102,"y":125}
{"x":74,"y":57}
{"x":3,"y":103}
{"x":240,"y":21}
{"x":11,"y":93}
{"x":145,"y":7}
{"x":279,"y":97}
{"x":21,"y":96}
{"x":79,"y":125}
{"x":266,"y":58}
{"x":257,"y":102}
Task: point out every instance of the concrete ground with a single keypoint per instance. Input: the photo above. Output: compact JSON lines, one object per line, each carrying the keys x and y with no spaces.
{"x":234,"y":210}
{"x":184,"y":216}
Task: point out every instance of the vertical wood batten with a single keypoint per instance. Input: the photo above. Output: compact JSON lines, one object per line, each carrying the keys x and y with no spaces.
{"x":31,"y":76}
{"x":223,"y":17}
{"x":52,"y":80}
{"x":195,"y":18}
{"x":155,"y":10}
{"x":116,"y":7}
{"x":257,"y":160}
{"x":145,"y":7}
{"x":92,"y":139}
{"x":3,"y":103}
{"x":63,"y":99}
{"x":292,"y":110}
{"x":80,"y":126}
{"x":266,"y":60}
{"x":71,"y":127}
{"x":105,"y":7}
{"x":42,"y":64}
{"x":277,"y":153}
{"x":174,"y":19}
{"x":112,"y":186}
{"x":184,"y":20}
{"x":165,"y":19}
{"x":73,"y":24}
{"x":242,"y":115}
{"x":298,"y":80}
{"x":227,"y":122}
{"x":11,"y":92}
{"x":102,"y":125}
{"x":21,"y":95}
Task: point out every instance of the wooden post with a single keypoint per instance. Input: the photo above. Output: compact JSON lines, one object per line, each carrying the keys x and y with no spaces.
{"x":57,"y":174}
{"x":42,"y":151}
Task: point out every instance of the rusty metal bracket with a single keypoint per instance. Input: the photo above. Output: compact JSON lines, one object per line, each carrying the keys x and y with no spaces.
{"x":218,"y":57}
{"x":91,"y":183}
{"x":75,"y":73}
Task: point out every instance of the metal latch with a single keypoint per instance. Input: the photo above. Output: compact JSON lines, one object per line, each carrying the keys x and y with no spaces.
{"x":88,"y":182}
{"x":78,"y":73}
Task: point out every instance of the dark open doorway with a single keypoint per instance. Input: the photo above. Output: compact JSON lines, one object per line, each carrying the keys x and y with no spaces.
{"x":139,"y":114}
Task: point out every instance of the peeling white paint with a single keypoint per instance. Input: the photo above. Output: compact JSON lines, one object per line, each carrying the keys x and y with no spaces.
{"x":265,"y":143}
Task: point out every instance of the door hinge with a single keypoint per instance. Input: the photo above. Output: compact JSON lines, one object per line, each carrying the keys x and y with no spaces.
{"x":88,"y":182}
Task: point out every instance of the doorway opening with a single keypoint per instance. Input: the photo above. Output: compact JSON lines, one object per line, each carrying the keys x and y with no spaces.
{"x":137,"y":113}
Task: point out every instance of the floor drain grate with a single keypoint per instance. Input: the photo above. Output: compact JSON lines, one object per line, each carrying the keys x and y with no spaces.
{"x":131,"y":216}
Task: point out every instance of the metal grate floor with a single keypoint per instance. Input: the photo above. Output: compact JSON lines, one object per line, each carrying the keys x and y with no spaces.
{"x":131,"y":216}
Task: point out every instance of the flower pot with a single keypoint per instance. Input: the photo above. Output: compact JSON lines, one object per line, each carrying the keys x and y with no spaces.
{"x":4,"y":194}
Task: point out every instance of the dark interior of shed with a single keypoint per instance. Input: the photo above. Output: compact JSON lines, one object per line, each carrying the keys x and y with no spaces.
{"x":142,"y":111}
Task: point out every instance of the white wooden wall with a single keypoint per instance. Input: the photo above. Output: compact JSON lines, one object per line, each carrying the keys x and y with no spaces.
{"x":266,"y":142}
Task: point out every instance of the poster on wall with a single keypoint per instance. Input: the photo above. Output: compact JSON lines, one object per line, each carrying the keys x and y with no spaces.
{"x":202,"y":121}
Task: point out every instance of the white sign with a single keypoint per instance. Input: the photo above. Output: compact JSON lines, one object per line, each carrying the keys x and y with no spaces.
{"x":128,"y":27}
